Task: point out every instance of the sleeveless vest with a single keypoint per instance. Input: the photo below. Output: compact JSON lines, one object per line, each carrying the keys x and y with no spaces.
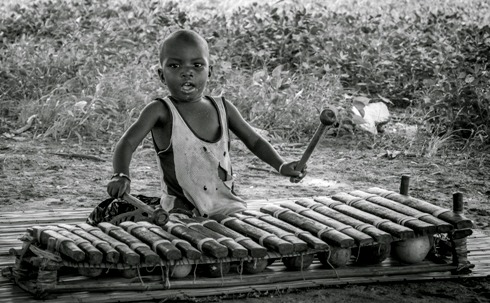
{"x":201,"y":169}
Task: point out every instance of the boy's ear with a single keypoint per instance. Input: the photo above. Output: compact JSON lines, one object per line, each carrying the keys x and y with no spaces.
{"x":160,"y":75}
{"x":210,"y":70}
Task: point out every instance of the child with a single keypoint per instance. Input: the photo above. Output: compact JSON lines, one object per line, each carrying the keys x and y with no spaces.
{"x":190,"y":133}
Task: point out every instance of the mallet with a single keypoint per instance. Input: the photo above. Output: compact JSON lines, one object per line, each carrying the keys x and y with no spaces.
{"x":157,"y":216}
{"x":327,"y":118}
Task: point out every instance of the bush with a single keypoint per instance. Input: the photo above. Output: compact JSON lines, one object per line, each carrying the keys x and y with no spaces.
{"x":87,"y":67}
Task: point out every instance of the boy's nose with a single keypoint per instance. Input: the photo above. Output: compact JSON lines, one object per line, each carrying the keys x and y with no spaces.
{"x":187,"y":73}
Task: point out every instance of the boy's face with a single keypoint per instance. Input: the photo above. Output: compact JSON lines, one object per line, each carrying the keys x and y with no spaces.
{"x":185,"y":68}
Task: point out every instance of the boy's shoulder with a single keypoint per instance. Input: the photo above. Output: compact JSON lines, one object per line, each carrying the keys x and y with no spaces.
{"x":157,"y":107}
{"x":216,"y":98}
{"x":221,"y":99}
{"x":156,"y":102}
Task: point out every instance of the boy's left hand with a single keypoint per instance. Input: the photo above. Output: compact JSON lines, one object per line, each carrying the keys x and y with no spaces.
{"x":289,"y":169}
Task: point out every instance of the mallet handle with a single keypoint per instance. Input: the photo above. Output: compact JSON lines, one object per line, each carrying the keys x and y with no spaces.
{"x":327,"y":117}
{"x":138,"y":204}
{"x":311,"y":146}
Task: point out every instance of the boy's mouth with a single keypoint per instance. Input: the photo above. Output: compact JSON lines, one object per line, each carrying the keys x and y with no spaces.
{"x":187,"y":88}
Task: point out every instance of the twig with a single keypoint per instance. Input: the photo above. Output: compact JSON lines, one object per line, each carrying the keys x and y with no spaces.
{"x":80,"y":156}
{"x":28,"y":125}
{"x":291,"y":145}
{"x":272,"y":171}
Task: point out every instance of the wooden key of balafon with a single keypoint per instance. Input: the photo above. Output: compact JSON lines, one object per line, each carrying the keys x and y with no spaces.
{"x":360,"y":237}
{"x":236,"y":250}
{"x":64,"y":245}
{"x":377,"y":234}
{"x":127,"y":255}
{"x":184,"y":246}
{"x":254,"y":249}
{"x":304,"y":235}
{"x":323,"y":232}
{"x":264,"y":238}
{"x":457,"y":220}
{"x":420,"y":227}
{"x":203,"y":243}
{"x":396,"y":230}
{"x":148,"y":255}
{"x":111,"y":255}
{"x":92,"y":254}
{"x":163,"y":247}
{"x":442,"y":226}
{"x":298,"y":244}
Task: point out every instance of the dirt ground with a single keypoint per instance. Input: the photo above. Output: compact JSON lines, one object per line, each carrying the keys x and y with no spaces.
{"x":36,"y":174}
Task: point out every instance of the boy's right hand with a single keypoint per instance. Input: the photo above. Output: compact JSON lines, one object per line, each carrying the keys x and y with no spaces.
{"x":289,"y":169}
{"x":117,"y":186}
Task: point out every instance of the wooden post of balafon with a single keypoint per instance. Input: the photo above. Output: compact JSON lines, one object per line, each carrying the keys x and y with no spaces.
{"x":404,"y":185}
{"x":458,"y":239}
{"x":458,"y":205}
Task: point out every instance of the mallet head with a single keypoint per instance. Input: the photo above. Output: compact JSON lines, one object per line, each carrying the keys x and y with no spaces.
{"x":328,"y":117}
{"x":160,"y":217}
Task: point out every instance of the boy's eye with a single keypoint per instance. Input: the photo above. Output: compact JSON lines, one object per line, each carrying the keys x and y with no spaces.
{"x":173,"y":65}
{"x":198,"y":64}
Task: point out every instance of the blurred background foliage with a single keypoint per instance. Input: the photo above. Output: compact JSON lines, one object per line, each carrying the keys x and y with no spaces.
{"x":86,"y":68}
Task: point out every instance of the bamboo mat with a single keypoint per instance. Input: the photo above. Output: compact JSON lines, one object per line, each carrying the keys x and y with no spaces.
{"x":14,"y":224}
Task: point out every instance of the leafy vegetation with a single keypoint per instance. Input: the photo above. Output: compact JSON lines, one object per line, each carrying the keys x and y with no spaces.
{"x":86,"y":68}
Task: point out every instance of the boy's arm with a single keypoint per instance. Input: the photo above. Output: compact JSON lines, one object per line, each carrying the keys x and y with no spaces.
{"x":257,"y":144}
{"x":128,"y":143}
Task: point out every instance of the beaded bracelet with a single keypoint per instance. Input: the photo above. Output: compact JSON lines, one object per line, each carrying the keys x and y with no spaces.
{"x":121,"y":175}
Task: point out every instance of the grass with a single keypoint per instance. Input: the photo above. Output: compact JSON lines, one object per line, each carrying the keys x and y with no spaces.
{"x":86,"y":69}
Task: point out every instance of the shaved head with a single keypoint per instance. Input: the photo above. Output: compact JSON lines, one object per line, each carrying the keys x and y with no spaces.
{"x":180,"y":37}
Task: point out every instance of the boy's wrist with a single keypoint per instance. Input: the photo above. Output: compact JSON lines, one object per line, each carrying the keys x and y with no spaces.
{"x":280,"y":167}
{"x":121,"y":175}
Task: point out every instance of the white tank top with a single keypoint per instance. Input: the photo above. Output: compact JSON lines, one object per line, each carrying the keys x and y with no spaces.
{"x":197,"y":164}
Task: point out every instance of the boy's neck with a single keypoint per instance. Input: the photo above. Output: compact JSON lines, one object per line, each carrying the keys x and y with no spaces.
{"x":176,"y":100}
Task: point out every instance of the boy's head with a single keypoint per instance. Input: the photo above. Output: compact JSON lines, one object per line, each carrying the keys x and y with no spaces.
{"x":184,"y":60}
{"x":182,"y":38}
